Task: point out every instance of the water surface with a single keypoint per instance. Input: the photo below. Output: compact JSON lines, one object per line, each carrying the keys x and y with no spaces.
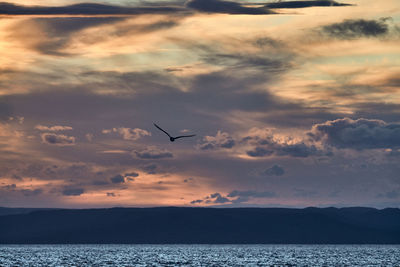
{"x":199,"y":255}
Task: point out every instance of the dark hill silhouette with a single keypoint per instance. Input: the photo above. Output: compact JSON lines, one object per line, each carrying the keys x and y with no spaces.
{"x":9,"y":211}
{"x":204,"y":225}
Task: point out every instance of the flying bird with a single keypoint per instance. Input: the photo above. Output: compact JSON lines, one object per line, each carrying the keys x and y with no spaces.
{"x":172,"y":139}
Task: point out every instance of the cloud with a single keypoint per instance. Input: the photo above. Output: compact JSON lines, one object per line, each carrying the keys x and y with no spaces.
{"x":55,"y":128}
{"x":300,"y":150}
{"x":197,"y":201}
{"x":356,"y":28}
{"x":221,"y":140}
{"x":25,"y":192}
{"x":266,"y":144}
{"x":89,"y":137}
{"x":73,"y":191}
{"x":83,"y":9}
{"x":9,"y":186}
{"x":188,"y":180}
{"x":357,"y":134}
{"x":207,"y":6}
{"x":227,"y":7}
{"x":19,"y":119}
{"x":303,"y":4}
{"x":275,"y":170}
{"x":256,"y":61}
{"x":153,"y":153}
{"x":259,"y":152}
{"x":57,"y":139}
{"x":128,"y":133}
{"x":150,"y":169}
{"x":118,"y":179}
{"x":56,"y":33}
{"x":111,"y":194}
{"x":100,"y":182}
{"x":235,"y":196}
{"x":31,"y":192}
{"x":215,"y":198}
{"x":244,"y":196}
{"x":218,"y":198}
{"x":250,"y":193}
{"x":60,"y":35}
{"x":131,"y":174}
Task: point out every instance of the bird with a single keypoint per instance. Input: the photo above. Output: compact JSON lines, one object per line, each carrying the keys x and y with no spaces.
{"x":171,"y":138}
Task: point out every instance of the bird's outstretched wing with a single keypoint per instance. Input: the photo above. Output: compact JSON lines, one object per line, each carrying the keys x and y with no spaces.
{"x":184,"y":136}
{"x":161,"y":129}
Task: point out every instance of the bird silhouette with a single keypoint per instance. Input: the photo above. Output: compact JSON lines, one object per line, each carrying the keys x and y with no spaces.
{"x":171,"y":138}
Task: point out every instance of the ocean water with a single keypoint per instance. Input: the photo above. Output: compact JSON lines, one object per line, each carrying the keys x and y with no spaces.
{"x":199,"y":255}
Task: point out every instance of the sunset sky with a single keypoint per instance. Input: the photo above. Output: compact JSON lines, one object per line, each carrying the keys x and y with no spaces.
{"x":293,"y":104}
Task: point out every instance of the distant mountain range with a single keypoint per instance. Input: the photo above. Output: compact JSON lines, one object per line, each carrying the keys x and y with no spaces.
{"x":173,"y":225}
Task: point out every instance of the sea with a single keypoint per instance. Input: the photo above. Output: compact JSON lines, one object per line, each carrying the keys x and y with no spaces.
{"x":200,"y":255}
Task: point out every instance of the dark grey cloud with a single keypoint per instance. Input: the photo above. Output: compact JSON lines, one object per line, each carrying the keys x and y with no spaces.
{"x":31,"y":192}
{"x":25,"y":192}
{"x":57,"y":139}
{"x":235,"y":196}
{"x":227,"y":7}
{"x":303,"y":4}
{"x":218,"y":198}
{"x":275,"y":170}
{"x":268,"y":42}
{"x":57,"y":27}
{"x":240,"y":61}
{"x":357,"y":28}
{"x":117,"y":179}
{"x":100,"y":182}
{"x":157,"y":26}
{"x":178,"y":7}
{"x":150,"y":169}
{"x":259,"y":152}
{"x":214,"y":195}
{"x":72,"y":191}
{"x":153,"y":153}
{"x":357,"y":134}
{"x":84,"y":9}
{"x":377,"y":110}
{"x":131,"y":174}
{"x":111,"y":194}
{"x":298,"y":150}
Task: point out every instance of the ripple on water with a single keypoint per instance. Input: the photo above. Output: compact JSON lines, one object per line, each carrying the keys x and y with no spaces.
{"x":199,"y":255}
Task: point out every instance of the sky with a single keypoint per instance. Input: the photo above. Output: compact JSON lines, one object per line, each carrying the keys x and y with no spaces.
{"x":293,"y":103}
